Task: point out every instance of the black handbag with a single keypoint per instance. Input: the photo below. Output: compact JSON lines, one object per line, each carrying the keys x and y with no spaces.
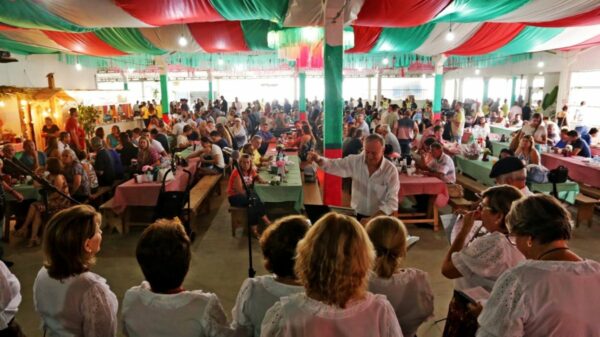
{"x":557,"y":176}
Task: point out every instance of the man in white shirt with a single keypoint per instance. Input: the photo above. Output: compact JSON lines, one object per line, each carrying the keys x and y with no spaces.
{"x":579,"y":119}
{"x":211,"y":158}
{"x":514,"y":111}
{"x":237,"y":105}
{"x":361,"y":124}
{"x":389,"y":138}
{"x":178,"y":127}
{"x":511,"y":171}
{"x":442,"y":165}
{"x":375,"y":181}
{"x":64,"y":139}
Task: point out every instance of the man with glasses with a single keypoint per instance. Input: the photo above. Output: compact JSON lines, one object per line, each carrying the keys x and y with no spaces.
{"x":511,"y":171}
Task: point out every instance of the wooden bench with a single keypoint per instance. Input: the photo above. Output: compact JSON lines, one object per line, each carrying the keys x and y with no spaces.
{"x":589,"y":191}
{"x":585,"y":209}
{"x":470,"y":184}
{"x":460,"y":204}
{"x":312,"y":194}
{"x":98,"y":197}
{"x":111,"y":219}
{"x":200,"y":192}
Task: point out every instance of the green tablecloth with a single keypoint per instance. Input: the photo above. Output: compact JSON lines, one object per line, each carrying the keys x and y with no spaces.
{"x":501,"y":130}
{"x":28,"y":192}
{"x":497,"y":146}
{"x":480,"y":171}
{"x":291,"y":190}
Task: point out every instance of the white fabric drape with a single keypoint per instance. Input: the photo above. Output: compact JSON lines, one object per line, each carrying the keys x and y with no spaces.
{"x":548,"y":10}
{"x":167,"y":38}
{"x":310,"y":12}
{"x":34,"y":38}
{"x":97,"y":13}
{"x":436,"y":43}
{"x":569,"y":37}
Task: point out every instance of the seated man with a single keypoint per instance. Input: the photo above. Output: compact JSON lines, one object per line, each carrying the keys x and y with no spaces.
{"x":104,"y":164}
{"x":266,"y":136}
{"x":161,"y":138}
{"x":211,"y":158}
{"x":218,"y":140}
{"x":8,"y":155}
{"x":506,"y":153}
{"x":257,"y":159}
{"x":580,"y":147}
{"x":32,"y":158}
{"x":183,"y":141}
{"x":385,"y":132}
{"x":511,"y":171}
{"x":155,"y":144}
{"x":564,"y":139}
{"x":441,"y":166}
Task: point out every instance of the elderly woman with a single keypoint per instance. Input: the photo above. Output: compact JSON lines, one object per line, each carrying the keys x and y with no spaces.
{"x":239,"y":134}
{"x":407,"y":289}
{"x":79,"y":184}
{"x":10,"y":299}
{"x":526,"y":152}
{"x":555,"y":292}
{"x":258,"y":294}
{"x":479,"y":261}
{"x":70,"y":299}
{"x":147,"y":155}
{"x":160,"y":306}
{"x":333,"y":264}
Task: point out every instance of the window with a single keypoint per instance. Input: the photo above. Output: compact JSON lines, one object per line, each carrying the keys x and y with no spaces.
{"x":472,"y":88}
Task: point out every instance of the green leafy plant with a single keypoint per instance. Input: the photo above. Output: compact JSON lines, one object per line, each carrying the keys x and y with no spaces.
{"x":550,"y":98}
{"x":88,"y":117}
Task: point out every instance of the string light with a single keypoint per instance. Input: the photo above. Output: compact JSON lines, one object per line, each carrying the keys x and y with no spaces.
{"x":541,"y":64}
{"x":2,"y":104}
{"x":78,"y":66}
{"x":130,"y":70}
{"x":182,"y":41}
{"x":220,"y":62}
{"x":477,"y":71}
{"x":450,"y":35}
{"x":385,"y":61}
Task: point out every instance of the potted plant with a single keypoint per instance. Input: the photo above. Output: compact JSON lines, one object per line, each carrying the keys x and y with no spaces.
{"x":88,"y":117}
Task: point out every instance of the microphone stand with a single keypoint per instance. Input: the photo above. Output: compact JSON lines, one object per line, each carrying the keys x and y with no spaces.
{"x":251,"y":203}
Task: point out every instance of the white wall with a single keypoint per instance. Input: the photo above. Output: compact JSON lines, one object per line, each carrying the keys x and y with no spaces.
{"x":31,"y":71}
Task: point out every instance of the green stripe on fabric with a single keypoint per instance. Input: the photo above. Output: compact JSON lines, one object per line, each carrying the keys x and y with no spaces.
{"x":30,"y":14}
{"x":256,"y":32}
{"x":266,"y":61}
{"x":437,"y":93}
{"x":128,"y":40}
{"x":485,"y":61}
{"x":302,"y":92}
{"x":124,"y":62}
{"x":374,"y":61}
{"x":477,"y":10}
{"x":270,"y":10}
{"x":334,"y":103}
{"x":402,"y":39}
{"x":164,"y":93}
{"x":528,"y":39}
{"x":21,"y":48}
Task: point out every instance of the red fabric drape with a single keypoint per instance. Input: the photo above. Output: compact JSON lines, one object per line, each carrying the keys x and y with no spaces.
{"x":584,"y":19}
{"x":595,"y":41}
{"x":399,"y":13}
{"x":364,"y":39}
{"x":84,"y":43}
{"x":489,"y":37}
{"x":168,"y":12}
{"x":332,"y":185}
{"x":5,"y":27}
{"x":216,"y":37}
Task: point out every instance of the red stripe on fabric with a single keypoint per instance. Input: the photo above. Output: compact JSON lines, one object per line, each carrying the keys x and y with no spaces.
{"x":84,"y":43}
{"x":595,"y":41}
{"x":217,"y":37}
{"x":584,"y":19}
{"x":332,"y":185}
{"x":364,"y":39}
{"x":6,"y":27}
{"x":399,"y":13}
{"x":168,"y":12}
{"x":489,"y":37}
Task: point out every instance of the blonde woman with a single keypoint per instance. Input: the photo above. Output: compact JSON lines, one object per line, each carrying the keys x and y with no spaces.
{"x":70,"y":299}
{"x":526,"y":152}
{"x":333,"y":264}
{"x":147,"y":155}
{"x":407,"y":289}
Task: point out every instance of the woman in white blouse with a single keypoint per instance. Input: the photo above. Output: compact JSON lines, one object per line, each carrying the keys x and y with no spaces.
{"x":555,"y":292}
{"x":481,"y":261}
{"x":278,"y":244}
{"x":333,"y":264}
{"x":160,"y":306}
{"x":239,"y":134}
{"x":407,"y":289}
{"x":10,"y":298}
{"x":71,"y":300}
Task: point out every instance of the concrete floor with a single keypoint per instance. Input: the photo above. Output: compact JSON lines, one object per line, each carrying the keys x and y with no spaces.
{"x":219,"y":264}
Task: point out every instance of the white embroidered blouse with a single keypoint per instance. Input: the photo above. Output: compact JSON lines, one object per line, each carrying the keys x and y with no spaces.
{"x":10,"y":296}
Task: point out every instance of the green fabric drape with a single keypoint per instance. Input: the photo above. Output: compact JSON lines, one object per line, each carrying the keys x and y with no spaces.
{"x":21,"y":48}
{"x":256,"y":32}
{"x":333,"y":110}
{"x":270,"y":10}
{"x":528,"y":39}
{"x":164,"y":93}
{"x":287,"y":37}
{"x":438,"y":93}
{"x":485,"y":61}
{"x":266,"y":61}
{"x":302,"y":93}
{"x":124,"y":62}
{"x":373,"y":61}
{"x":129,"y":40}
{"x":402,"y":39}
{"x":30,"y":14}
{"x":477,"y":10}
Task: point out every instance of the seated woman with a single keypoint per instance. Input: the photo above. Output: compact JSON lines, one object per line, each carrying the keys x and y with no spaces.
{"x":540,"y":227}
{"x":56,"y":202}
{"x":83,"y":157}
{"x":238,"y":132}
{"x":481,"y":129}
{"x":407,"y":289}
{"x":147,"y":155}
{"x":160,"y":306}
{"x":238,"y":196}
{"x":70,"y":299}
{"x":333,"y":264}
{"x":258,"y":294}
{"x":113,"y":139}
{"x":78,"y":180}
{"x":355,"y":145}
{"x":307,"y":144}
{"x":527,"y":152}
{"x":480,"y":260}
{"x":10,"y":299}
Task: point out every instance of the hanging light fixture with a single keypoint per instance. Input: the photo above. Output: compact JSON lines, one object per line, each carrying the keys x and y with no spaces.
{"x":78,"y":66}
{"x":541,"y":73}
{"x":182,"y":41}
{"x":477,"y":71}
{"x":450,"y":35}
{"x":385,"y":61}
{"x":540,"y":64}
{"x":220,"y":62}
{"x":424,"y":76}
{"x":130,"y":70}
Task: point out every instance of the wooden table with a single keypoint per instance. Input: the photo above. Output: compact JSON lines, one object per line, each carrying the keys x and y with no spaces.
{"x":419,"y":185}
{"x":579,"y":170}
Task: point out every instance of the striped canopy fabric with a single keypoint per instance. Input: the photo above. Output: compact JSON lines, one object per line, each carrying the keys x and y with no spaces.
{"x":292,"y":29}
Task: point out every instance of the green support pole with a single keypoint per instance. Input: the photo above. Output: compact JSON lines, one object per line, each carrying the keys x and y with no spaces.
{"x":437,"y":96}
{"x":302,"y":98}
{"x":486,"y":89}
{"x":513,"y":94}
{"x":210,"y":91}
{"x":164,"y":93}
{"x":125,"y":85}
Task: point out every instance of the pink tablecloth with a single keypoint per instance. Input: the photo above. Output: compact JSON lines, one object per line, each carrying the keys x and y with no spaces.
{"x":595,"y":151}
{"x":131,"y":193}
{"x":413,"y":185}
{"x":578,"y":170}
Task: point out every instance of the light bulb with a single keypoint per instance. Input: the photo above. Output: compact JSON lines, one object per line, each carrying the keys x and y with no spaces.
{"x":182,"y":41}
{"x":477,"y":71}
{"x":23,"y":102}
{"x":424,"y":76}
{"x":78,"y":66}
{"x":541,"y":73}
{"x":385,"y":61}
{"x":2,"y":104}
{"x":220,"y":62}
{"x":540,"y":64}
{"x":130,"y":70}
{"x":450,"y":36}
